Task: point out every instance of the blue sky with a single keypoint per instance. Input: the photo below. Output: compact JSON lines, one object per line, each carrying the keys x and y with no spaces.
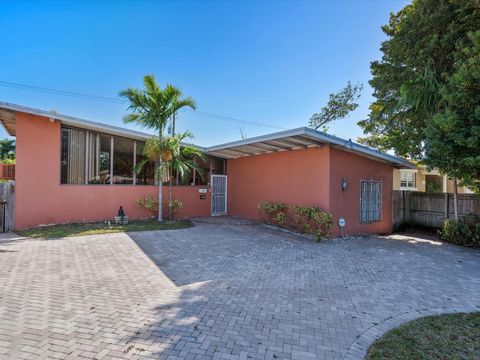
{"x":266,"y":62}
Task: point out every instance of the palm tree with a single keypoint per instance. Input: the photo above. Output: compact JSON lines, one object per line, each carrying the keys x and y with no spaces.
{"x":7,"y":149}
{"x":152,"y":108}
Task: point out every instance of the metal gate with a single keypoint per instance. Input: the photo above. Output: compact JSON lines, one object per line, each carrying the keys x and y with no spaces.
{"x":219,"y":194}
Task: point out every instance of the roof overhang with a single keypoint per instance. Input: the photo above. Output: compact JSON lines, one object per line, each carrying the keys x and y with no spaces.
{"x":8,"y":120}
{"x":300,"y":138}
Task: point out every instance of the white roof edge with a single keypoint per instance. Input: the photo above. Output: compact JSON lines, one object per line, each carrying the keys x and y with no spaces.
{"x":83,"y":123}
{"x":74,"y":121}
{"x":322,"y":137}
{"x":116,"y":130}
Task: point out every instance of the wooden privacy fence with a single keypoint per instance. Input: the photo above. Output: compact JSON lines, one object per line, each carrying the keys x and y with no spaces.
{"x":7,"y":171}
{"x":430,"y":209}
{"x":7,"y":196}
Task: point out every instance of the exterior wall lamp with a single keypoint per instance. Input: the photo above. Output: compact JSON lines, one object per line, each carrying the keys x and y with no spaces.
{"x":344,"y":184}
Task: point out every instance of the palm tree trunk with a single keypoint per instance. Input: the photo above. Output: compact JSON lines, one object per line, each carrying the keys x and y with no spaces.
{"x":160,"y":197}
{"x":170,"y":212}
{"x":455,"y":199}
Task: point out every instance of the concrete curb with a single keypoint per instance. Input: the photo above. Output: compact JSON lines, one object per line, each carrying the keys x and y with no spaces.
{"x":358,"y":349}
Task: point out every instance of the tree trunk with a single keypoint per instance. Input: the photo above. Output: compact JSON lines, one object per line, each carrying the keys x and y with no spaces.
{"x":455,"y":199}
{"x":160,"y":186}
{"x":170,"y":212}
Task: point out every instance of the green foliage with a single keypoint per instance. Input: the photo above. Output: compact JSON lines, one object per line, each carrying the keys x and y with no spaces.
{"x":312,"y":220}
{"x":153,"y":107}
{"x":65,"y":230}
{"x":270,"y":208}
{"x":433,"y":187}
{"x":447,"y":336}
{"x":461,"y":233}
{"x":339,"y":105}
{"x":7,"y":151}
{"x":453,"y":134}
{"x":306,"y":219}
{"x":421,"y":54}
{"x":151,"y":204}
{"x":280,"y":218}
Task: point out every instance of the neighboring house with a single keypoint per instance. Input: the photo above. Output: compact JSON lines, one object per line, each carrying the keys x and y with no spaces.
{"x":74,"y":170}
{"x":424,"y":180}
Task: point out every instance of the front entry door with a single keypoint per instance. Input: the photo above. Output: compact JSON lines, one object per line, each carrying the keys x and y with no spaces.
{"x":219,"y":194}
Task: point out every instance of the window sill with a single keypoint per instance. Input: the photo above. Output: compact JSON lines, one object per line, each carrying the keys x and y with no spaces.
{"x":408,"y":188}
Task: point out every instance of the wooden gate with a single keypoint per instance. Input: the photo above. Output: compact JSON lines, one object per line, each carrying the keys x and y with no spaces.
{"x":7,"y":203}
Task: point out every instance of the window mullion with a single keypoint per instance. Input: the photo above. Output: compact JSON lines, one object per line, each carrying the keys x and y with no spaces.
{"x":111,"y":160}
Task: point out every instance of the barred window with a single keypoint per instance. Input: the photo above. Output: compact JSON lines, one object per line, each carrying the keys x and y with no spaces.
{"x":370,"y":201}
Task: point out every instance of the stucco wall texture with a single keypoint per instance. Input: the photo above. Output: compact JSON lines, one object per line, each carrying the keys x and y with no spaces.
{"x":310,"y":176}
{"x":41,"y":199}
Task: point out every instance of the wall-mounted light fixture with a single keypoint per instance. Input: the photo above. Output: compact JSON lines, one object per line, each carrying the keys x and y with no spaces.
{"x":344,"y":184}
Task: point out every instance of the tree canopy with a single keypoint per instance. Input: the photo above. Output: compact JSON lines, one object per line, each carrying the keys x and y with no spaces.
{"x":339,"y":105}
{"x":7,"y":149}
{"x":424,"y":42}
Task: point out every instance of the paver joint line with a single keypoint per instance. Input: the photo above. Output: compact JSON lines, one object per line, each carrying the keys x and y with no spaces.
{"x":224,"y":289}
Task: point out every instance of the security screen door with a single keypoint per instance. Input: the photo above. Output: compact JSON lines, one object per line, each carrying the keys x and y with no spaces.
{"x":219,"y":194}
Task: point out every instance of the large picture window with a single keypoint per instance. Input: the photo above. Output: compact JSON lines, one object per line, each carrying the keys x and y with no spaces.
{"x":370,"y":201}
{"x":98,"y":155}
{"x":92,"y":158}
{"x":146,"y":176}
{"x":72,"y":165}
{"x":123,"y":160}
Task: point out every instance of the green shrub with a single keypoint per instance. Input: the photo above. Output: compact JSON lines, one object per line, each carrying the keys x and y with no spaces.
{"x":280,"y":218}
{"x":270,"y":208}
{"x":433,"y":187}
{"x":151,"y":204}
{"x":309,"y":220}
{"x":460,"y":233}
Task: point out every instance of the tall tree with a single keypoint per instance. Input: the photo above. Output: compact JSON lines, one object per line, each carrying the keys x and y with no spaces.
{"x":419,"y":57}
{"x":453,"y":136}
{"x":152,"y":107}
{"x":339,"y":105}
{"x":7,"y":149}
{"x":426,"y":99}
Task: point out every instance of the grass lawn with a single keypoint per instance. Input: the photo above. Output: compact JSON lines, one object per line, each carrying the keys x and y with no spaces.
{"x":59,"y":231}
{"x":449,"y":336}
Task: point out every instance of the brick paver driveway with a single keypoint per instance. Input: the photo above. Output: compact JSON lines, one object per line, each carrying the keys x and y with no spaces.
{"x":217,"y":291}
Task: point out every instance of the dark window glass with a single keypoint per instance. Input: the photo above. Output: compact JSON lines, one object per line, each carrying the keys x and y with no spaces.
{"x":218,"y":166}
{"x":146,"y":176}
{"x":122,"y":161}
{"x":72,"y":166}
{"x":203,"y":177}
{"x":99,"y":150}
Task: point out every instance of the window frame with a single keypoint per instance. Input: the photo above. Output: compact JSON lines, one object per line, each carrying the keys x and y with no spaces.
{"x":409,"y":184}
{"x":362,"y":200}
{"x":87,"y":133}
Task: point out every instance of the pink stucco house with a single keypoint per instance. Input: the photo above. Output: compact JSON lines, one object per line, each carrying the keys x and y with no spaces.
{"x":74,"y":170}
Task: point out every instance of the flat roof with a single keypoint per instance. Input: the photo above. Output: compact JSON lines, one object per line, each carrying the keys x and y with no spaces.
{"x":293,"y":139}
{"x":299,"y":138}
